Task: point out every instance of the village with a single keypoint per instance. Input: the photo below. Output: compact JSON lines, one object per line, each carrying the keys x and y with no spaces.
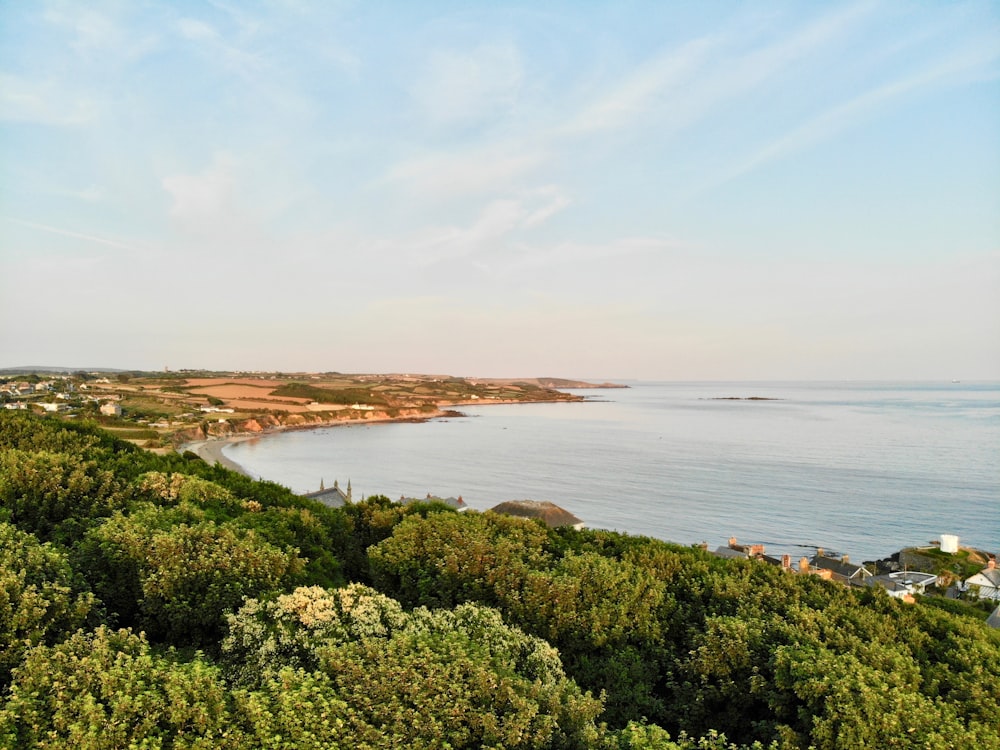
{"x":942,"y":568}
{"x":160,"y":411}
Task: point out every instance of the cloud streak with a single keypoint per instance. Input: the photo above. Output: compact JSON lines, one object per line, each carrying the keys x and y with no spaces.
{"x":118,"y":245}
{"x":955,"y":70}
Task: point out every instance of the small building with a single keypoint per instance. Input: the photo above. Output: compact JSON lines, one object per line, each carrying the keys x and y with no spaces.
{"x":840,"y":569}
{"x":729,"y":553}
{"x":454,"y":502}
{"x":548,"y":512}
{"x":333,"y":497}
{"x":111,"y":409}
{"x":986,"y":581}
{"x":993,"y":620}
{"x":736,"y":551}
{"x":903,"y":584}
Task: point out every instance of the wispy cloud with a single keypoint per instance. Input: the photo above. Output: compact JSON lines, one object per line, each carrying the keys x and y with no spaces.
{"x":99,"y":34}
{"x":681,"y":86}
{"x":117,"y":244}
{"x":45,"y":102}
{"x":955,"y":70}
{"x":632,"y":97}
{"x":492,"y":167}
{"x":497,"y":222}
{"x":469,"y":87}
{"x":214,"y":45}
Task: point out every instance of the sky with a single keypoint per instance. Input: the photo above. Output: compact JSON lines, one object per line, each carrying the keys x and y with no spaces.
{"x":631,"y":190}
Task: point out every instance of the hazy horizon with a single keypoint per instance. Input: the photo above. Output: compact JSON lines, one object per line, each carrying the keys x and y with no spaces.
{"x":778,"y":191}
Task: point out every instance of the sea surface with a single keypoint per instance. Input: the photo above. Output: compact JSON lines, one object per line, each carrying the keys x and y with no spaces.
{"x":858,"y":468}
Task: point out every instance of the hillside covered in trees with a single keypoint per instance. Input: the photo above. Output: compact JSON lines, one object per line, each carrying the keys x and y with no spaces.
{"x":158,"y":602}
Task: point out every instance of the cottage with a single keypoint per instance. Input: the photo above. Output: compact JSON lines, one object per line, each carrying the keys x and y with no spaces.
{"x":840,"y":569}
{"x":903,"y":584}
{"x":455,"y":502}
{"x":333,"y":497}
{"x":736,"y":551}
{"x":986,"y":581}
{"x":550,"y":513}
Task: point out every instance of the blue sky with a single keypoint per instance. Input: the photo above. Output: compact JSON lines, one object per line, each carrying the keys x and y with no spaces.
{"x":651,"y":190}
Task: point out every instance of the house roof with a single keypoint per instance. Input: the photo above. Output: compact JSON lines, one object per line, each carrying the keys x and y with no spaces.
{"x":331,"y":496}
{"x":994,"y":619}
{"x":730,"y":554}
{"x":454,"y":502}
{"x":839,"y":567}
{"x":551,"y":513}
{"x":986,"y":577}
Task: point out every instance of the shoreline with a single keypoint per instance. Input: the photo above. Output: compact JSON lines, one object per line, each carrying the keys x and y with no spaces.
{"x":210,"y":449}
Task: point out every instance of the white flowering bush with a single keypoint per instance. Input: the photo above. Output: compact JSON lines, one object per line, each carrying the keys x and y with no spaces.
{"x":267,"y":635}
{"x":462,"y":677}
{"x":173,"y":488}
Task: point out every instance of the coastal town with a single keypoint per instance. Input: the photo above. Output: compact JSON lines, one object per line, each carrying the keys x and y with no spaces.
{"x":203,"y":411}
{"x":942,"y":568}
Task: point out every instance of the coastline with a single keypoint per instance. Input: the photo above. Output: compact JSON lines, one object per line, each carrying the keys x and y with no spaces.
{"x":210,"y":449}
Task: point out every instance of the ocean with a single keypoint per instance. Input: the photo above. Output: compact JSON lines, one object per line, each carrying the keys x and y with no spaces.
{"x":857,"y":468}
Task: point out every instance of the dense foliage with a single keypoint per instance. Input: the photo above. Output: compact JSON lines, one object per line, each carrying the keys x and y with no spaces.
{"x":343,"y":396}
{"x":155,"y":601}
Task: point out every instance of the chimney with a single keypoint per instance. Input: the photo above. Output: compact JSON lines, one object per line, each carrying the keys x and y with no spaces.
{"x":732,"y":542}
{"x":992,"y":564}
{"x":845,"y":559}
{"x":786,"y":562}
{"x":819,"y":552}
{"x":804,"y":565}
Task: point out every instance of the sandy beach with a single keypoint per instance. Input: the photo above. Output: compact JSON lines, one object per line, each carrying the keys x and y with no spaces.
{"x":210,"y":451}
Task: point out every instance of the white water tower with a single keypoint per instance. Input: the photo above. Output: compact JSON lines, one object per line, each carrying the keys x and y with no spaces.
{"x":949,"y":543}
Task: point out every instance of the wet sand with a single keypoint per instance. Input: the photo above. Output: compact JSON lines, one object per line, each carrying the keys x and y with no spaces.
{"x":210,"y":451}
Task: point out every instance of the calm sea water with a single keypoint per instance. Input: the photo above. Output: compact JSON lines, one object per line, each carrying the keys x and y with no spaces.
{"x":860,"y":468}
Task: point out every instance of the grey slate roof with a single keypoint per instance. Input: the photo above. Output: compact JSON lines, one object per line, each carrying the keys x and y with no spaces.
{"x":454,"y":502}
{"x":334,"y":497}
{"x":839,"y":568}
{"x":994,"y":619}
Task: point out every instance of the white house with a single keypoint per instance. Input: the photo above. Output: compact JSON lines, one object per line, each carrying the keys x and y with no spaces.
{"x":904,"y":583}
{"x":111,"y":409}
{"x":986,"y":581}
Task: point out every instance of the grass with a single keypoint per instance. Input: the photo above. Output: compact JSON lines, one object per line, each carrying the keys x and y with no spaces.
{"x":345,"y":396}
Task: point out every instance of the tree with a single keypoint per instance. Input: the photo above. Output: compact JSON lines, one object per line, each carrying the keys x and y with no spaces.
{"x":109,"y":689}
{"x":438,"y":678}
{"x":40,"y":601}
{"x":56,"y":494}
{"x":177,"y":580}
